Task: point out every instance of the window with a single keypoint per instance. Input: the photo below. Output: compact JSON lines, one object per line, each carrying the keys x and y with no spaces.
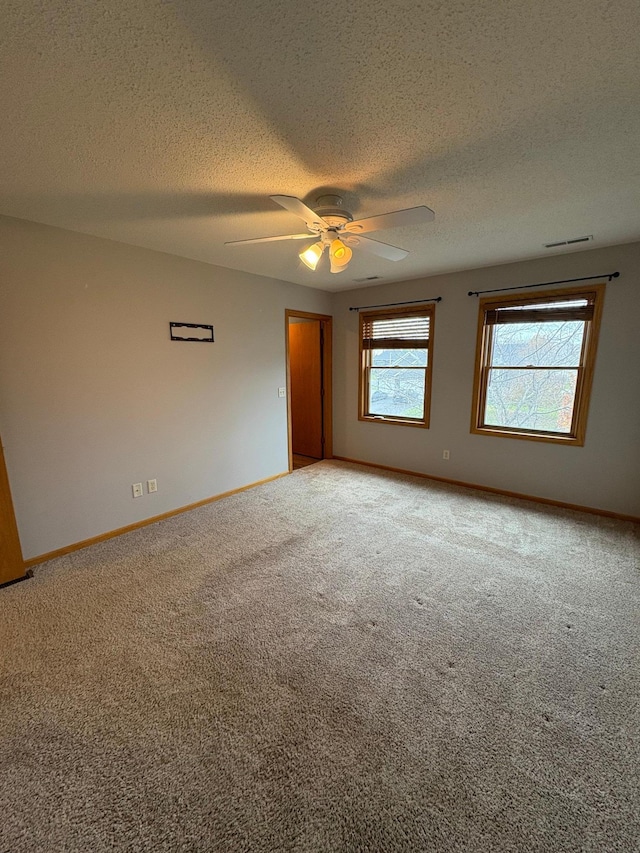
{"x":534,"y":364}
{"x":395,"y":357}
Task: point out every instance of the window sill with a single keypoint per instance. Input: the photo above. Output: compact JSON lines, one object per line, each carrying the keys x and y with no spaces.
{"x":573,"y":440}
{"x":372,"y":419}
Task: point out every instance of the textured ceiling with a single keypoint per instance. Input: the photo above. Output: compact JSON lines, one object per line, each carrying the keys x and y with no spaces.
{"x":168,"y":123}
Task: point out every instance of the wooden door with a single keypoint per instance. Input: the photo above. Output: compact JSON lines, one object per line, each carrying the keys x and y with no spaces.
{"x":11,"y":563}
{"x":305,"y":360}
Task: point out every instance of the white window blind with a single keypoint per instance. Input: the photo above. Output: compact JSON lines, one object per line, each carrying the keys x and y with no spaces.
{"x":396,"y":332}
{"x":549,"y":311}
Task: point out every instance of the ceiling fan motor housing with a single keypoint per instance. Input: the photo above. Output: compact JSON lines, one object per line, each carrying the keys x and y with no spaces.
{"x":329,"y":207}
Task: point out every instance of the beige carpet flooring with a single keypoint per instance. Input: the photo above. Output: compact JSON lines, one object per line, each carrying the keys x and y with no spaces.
{"x":340,"y":660}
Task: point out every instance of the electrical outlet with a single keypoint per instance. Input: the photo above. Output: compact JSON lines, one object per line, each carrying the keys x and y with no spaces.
{"x":282,"y":392}
{"x":152,"y":486}
{"x":136,"y":488}
{"x":445,"y":454}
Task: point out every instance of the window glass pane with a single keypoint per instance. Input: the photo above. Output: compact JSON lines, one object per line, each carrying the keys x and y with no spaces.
{"x":396,"y":392}
{"x":399,"y":357}
{"x":538,"y":344}
{"x":531,"y":399}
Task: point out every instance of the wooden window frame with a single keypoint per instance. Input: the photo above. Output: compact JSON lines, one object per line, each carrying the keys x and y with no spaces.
{"x":576,"y":436}
{"x":428,"y":309}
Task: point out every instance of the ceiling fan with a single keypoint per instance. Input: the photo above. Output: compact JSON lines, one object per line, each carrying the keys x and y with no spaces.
{"x":336,"y":230}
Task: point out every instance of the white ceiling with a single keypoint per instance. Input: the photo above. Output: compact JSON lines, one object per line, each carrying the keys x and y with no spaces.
{"x":168,"y":123}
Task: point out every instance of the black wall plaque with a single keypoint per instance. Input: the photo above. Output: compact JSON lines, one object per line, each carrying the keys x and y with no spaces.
{"x":191,"y":332}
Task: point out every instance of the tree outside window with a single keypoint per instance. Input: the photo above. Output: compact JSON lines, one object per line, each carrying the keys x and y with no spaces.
{"x":535,"y":363}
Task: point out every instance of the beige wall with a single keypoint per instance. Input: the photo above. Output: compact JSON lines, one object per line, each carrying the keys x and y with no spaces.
{"x":94,"y":396}
{"x":604,"y":474}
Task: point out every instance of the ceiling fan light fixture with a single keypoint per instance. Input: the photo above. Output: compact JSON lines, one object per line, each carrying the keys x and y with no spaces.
{"x":312,"y":255}
{"x":336,"y":267}
{"x":339,"y":253}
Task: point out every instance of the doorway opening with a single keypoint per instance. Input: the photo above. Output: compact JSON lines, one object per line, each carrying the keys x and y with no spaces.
{"x":309,"y":390}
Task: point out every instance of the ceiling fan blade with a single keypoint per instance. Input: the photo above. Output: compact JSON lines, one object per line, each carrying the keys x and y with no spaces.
{"x":410,"y":216}
{"x":299,"y":208}
{"x":272,"y":239}
{"x":383,"y":250}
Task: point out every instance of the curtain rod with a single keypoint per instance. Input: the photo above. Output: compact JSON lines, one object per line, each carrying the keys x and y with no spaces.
{"x":392,"y":304}
{"x":608,"y":275}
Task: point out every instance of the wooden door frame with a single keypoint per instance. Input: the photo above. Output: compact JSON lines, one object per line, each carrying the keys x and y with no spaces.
{"x":326,"y":326}
{"x":10,"y":544}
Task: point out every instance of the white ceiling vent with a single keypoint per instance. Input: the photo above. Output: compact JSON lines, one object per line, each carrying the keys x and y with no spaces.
{"x":571,"y":242}
{"x":368,"y":278}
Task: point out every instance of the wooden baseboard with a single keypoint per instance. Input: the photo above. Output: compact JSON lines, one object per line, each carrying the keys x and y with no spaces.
{"x":77,"y":546}
{"x":492,"y":490}
{"x":85,"y":543}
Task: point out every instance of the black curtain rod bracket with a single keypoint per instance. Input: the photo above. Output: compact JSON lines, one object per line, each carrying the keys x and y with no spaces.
{"x":394,"y":304}
{"x":608,"y":275}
